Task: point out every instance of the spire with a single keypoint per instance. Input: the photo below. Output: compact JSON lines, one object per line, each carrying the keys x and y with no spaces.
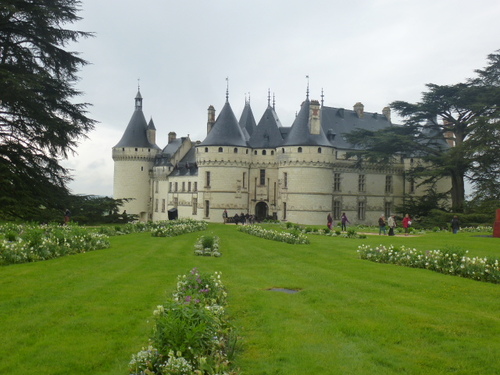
{"x":307,"y":91}
{"x":227,"y":89}
{"x":322,"y":97}
{"x":138,"y":97}
{"x":274,"y":102}
{"x":268,"y":97}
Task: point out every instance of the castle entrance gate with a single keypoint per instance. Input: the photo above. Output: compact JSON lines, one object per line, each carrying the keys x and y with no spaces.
{"x":261,"y":211}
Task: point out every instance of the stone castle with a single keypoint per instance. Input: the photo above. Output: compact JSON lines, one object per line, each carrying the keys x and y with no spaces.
{"x":298,"y":173}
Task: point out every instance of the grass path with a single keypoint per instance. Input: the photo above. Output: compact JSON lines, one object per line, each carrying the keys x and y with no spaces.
{"x":86,"y":314}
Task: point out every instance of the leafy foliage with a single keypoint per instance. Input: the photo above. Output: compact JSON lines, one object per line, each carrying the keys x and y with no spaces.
{"x":39,"y":122}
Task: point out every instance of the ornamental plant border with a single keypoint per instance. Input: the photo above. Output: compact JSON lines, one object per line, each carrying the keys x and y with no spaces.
{"x":270,"y":234}
{"x":451,"y":262}
{"x":191,"y":333}
{"x":177,"y":227}
{"x":25,"y":243}
{"x":201,"y":248}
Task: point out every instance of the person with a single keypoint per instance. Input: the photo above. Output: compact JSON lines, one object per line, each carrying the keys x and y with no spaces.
{"x":344,"y":220}
{"x":381,"y":225}
{"x":236,"y":219}
{"x":224,"y":216}
{"x":392,"y":224}
{"x":455,"y":224}
{"x":329,"y":221}
{"x":407,"y":224}
{"x":67,"y":216}
{"x":242,"y":219}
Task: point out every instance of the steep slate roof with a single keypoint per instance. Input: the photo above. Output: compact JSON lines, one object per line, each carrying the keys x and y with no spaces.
{"x":267,"y":134}
{"x":163,"y":159}
{"x":247,"y":121}
{"x":187,"y":166}
{"x":135,"y":134}
{"x":340,"y":121}
{"x":300,"y":135}
{"x":226,"y":131}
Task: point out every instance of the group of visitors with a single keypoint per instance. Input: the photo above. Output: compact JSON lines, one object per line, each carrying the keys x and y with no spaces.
{"x":343,"y":221}
{"x":241,"y":218}
{"x":392,"y":224}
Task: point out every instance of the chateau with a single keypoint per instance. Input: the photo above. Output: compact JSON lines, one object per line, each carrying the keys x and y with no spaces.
{"x":298,"y":173}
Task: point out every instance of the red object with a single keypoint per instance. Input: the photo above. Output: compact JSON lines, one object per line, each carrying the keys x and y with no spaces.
{"x":496,"y":227}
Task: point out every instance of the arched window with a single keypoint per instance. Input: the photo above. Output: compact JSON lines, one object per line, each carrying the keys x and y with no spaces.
{"x":283,"y":150}
{"x":221,"y":149}
{"x":263,"y":152}
{"x":319,"y":150}
{"x":299,"y":149}
{"x":206,"y":149}
{"x":236,"y":150}
{"x":255,"y":152}
{"x":246,"y":151}
{"x":272,"y":152}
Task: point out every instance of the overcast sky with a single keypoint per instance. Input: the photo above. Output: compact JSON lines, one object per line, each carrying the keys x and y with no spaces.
{"x":372,"y":51}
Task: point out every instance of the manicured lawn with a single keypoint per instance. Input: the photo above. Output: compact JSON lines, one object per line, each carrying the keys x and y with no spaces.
{"x":88,"y":313}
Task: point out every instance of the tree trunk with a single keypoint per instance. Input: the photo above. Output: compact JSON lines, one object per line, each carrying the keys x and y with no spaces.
{"x":457,"y":191}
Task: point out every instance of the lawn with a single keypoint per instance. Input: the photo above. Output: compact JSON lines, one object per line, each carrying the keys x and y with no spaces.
{"x":88,"y":313}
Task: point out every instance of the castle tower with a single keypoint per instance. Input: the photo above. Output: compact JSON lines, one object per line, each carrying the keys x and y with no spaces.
{"x":223,"y":168}
{"x":133,"y":158}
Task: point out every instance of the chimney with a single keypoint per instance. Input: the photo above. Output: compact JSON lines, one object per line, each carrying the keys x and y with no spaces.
{"x":387,"y":113}
{"x":449,"y":135}
{"x":359,"y":108}
{"x":211,"y":118}
{"x":172,"y":136}
{"x":314,"y":117}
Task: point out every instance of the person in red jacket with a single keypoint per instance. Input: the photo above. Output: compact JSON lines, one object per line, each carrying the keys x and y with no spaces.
{"x":407,"y":224}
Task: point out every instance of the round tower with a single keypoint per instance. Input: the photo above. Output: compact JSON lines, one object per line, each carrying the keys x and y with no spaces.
{"x":133,"y":158}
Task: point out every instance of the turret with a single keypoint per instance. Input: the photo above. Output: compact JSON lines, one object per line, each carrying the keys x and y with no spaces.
{"x":359,"y":108}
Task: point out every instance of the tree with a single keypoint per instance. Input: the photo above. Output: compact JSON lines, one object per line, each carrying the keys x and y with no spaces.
{"x":39,"y":123}
{"x":454,"y":129}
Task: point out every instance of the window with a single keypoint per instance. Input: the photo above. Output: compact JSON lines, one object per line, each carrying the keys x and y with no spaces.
{"x":142,"y":169}
{"x":284,"y":210}
{"x":319,"y":150}
{"x":361,"y":210}
{"x":285,"y":180}
{"x":282,"y":150}
{"x":336,"y":182}
{"x":272,"y":152}
{"x":337,"y":207}
{"x":235,"y":150}
{"x":207,"y":209}
{"x":361,"y":182}
{"x":388,"y":184}
{"x":195,"y":186}
{"x":206,"y":149}
{"x":412,"y":186}
{"x":156,"y":186}
{"x":176,"y":187}
{"x":170,"y":186}
{"x":255,"y":152}
{"x":299,"y":150}
{"x":183,"y":186}
{"x":262,"y":177}
{"x":263,"y":152}
{"x":189,"y":185}
{"x":156,"y":205}
{"x":387,"y":209}
{"x":244,"y":180}
{"x":221,"y":149}
{"x":163,"y":205}
{"x":195,"y":206}
{"x":207,"y":179}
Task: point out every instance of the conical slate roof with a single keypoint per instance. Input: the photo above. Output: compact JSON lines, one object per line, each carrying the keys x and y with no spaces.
{"x":226,"y":131}
{"x":267,"y":134}
{"x":247,"y":121}
{"x":136,"y":132}
{"x":300,"y":135}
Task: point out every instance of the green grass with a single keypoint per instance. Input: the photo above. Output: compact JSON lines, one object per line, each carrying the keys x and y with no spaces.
{"x":88,"y":313}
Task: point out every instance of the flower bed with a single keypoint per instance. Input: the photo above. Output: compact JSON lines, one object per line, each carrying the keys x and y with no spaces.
{"x":207,"y":245}
{"x":32,"y":243}
{"x":269,"y":234}
{"x":174,"y":228}
{"x":447,"y":262}
{"x":191,"y":333}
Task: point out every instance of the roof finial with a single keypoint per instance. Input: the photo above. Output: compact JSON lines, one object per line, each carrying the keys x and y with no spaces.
{"x":248,"y":97}
{"x":274,"y":102}
{"x":322,"y":97}
{"x":138,"y":84}
{"x":307,"y":91}
{"x":268,"y":97}
{"x":227,"y":89}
